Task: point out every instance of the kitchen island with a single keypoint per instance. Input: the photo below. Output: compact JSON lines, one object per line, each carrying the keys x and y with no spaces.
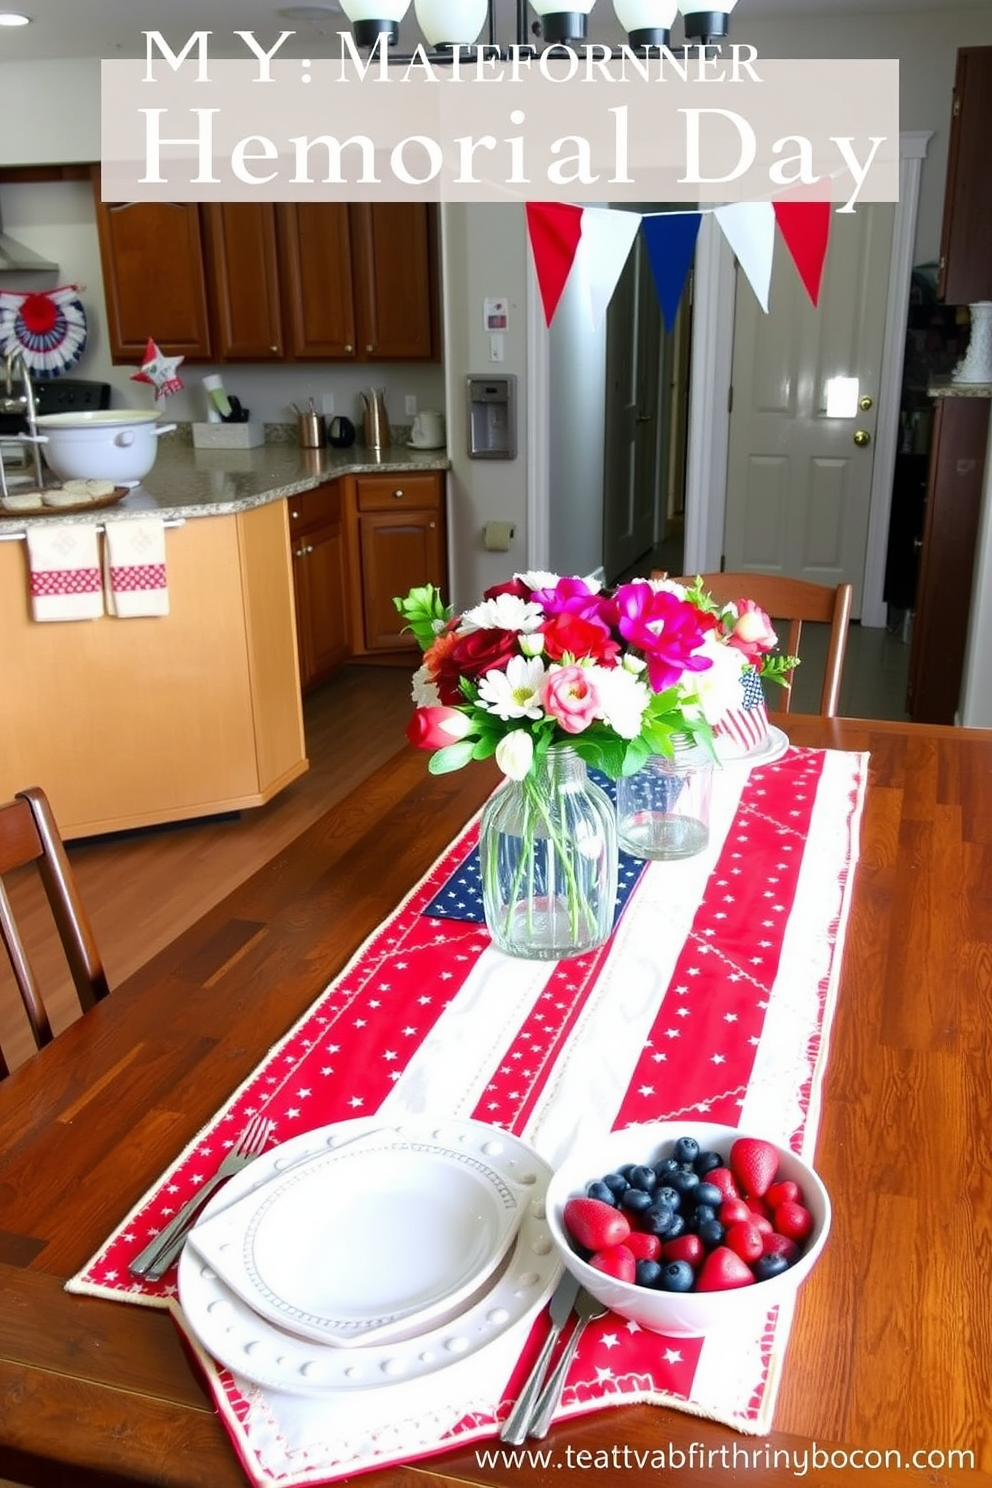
{"x":132,"y":723}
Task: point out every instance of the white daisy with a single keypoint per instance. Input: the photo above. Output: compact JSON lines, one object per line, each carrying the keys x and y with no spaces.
{"x":424,"y":692}
{"x":624,"y":698}
{"x":514,"y":693}
{"x":505,"y":612}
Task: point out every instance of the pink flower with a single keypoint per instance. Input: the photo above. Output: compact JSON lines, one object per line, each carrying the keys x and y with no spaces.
{"x":433,"y":728}
{"x":752,"y":632}
{"x":667,"y":630}
{"x":570,"y":698}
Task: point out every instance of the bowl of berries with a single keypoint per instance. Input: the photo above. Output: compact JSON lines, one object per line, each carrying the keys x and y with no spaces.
{"x":685,"y":1226}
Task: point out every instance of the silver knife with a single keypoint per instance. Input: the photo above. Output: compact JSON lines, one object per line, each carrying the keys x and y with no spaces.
{"x":563,"y":1300}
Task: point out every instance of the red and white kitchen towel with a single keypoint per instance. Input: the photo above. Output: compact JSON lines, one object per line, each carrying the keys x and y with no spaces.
{"x":66,"y":579}
{"x":713,"y":999}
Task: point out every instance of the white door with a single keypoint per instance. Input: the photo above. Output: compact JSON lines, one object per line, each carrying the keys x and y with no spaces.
{"x":799,"y":477}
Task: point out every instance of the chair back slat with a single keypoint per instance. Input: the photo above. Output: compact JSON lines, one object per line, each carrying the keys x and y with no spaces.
{"x":29,"y":836}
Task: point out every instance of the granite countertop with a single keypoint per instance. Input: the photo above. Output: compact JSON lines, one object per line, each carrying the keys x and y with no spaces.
{"x":952,"y":389}
{"x":186,"y":482}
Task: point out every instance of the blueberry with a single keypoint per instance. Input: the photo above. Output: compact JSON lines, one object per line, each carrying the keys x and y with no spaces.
{"x":642,"y":1177}
{"x":706,"y":1162}
{"x":677,"y":1276}
{"x":657,"y":1219}
{"x":711,"y":1232}
{"x":708,"y":1193}
{"x":668,"y":1195}
{"x":647,"y":1273}
{"x":684,"y":1183}
{"x":665,"y":1167}
{"x":767,"y":1266}
{"x":635,"y":1200}
{"x":597,"y":1189}
{"x":686,"y":1150}
{"x":702,"y":1214}
{"x":615,"y":1182}
{"x":676,"y":1228}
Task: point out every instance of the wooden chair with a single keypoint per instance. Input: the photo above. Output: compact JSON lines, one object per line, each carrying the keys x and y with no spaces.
{"x":28,"y":834}
{"x":792,"y":600}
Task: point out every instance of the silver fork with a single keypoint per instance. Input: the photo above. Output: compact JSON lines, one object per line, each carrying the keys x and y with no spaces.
{"x":159,"y":1254}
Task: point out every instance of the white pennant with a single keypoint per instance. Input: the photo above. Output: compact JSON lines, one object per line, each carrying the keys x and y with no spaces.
{"x":603,"y":250}
{"x":749,"y":228}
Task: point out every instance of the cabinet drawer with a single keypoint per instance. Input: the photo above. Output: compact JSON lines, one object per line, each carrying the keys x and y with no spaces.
{"x":314,"y":508}
{"x":393,"y":492}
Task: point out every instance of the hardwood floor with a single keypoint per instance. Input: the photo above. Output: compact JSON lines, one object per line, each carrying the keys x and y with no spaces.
{"x":141,"y":889}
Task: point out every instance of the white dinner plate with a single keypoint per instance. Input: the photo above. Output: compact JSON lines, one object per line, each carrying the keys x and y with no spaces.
{"x":767,"y":752}
{"x":356,"y":1244}
{"x":260,"y":1350}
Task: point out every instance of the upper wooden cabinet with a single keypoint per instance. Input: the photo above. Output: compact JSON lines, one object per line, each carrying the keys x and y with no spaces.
{"x":966,"y":236}
{"x":257,"y":281}
{"x":154,"y":278}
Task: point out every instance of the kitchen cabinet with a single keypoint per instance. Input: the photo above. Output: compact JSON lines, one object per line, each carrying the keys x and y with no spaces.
{"x":264,"y":281}
{"x":947,"y":557}
{"x":317,"y":544}
{"x":195,"y":713}
{"x":966,"y":237}
{"x":154,"y":278}
{"x":397,"y":536}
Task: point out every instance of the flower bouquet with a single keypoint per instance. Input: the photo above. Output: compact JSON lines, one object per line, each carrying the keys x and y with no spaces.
{"x":551,"y":675}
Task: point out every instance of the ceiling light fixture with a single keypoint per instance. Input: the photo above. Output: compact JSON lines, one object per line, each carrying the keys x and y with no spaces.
{"x":14,"y":18}
{"x":447,"y":24}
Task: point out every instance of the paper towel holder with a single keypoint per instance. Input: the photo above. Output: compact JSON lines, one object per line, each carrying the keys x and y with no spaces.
{"x":497,"y":536}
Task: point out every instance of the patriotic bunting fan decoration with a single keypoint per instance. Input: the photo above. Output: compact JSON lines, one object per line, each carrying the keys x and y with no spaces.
{"x":47,"y":326}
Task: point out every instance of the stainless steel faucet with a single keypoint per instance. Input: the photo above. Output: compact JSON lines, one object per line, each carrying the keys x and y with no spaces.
{"x":27,"y":400}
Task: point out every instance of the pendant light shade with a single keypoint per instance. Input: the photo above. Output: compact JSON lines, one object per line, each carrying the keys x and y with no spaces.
{"x":560,"y":26}
{"x":704,"y":20}
{"x":646,"y":22}
{"x":369,"y":18}
{"x":448,"y":23}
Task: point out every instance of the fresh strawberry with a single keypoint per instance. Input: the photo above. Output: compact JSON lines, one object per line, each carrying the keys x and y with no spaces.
{"x":759,"y":1208}
{"x":723,"y":1179}
{"x":746,"y":1241}
{"x":754,"y":1163}
{"x":793,"y":1220}
{"x":593,"y":1224}
{"x":761,"y":1223}
{"x":734,"y":1211}
{"x":618,"y":1261}
{"x":785,"y":1191}
{"x":776,"y":1244}
{"x":642,"y":1246}
{"x":684,"y":1248}
{"x":722,"y":1270}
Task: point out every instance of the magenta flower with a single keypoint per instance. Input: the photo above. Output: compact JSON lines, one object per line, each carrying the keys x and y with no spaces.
{"x":666,"y":630}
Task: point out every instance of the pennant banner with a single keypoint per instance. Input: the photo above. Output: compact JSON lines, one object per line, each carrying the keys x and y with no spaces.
{"x":670,"y":240}
{"x":555,"y":229}
{"x":805,"y":227}
{"x":607,"y":238}
{"x":595,"y":242}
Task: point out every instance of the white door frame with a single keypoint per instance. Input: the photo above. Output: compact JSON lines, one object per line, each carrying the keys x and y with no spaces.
{"x":709,"y":393}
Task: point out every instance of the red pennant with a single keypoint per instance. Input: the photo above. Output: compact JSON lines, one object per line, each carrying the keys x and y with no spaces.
{"x":555,"y":229}
{"x":805,"y":226}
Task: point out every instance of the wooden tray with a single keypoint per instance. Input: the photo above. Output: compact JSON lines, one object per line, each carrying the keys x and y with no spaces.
{"x":99,"y":502}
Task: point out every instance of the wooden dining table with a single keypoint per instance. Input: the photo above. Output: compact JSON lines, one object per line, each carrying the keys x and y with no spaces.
{"x":888,"y":1371}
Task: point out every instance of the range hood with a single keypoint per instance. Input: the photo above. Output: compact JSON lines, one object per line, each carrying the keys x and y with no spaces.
{"x":16,"y":258}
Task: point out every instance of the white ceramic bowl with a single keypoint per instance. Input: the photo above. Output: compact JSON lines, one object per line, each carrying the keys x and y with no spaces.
{"x":681,"y":1312}
{"x":102,"y":444}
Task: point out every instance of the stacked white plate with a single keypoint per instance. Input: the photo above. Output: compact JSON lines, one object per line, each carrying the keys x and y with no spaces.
{"x":364,"y":1254}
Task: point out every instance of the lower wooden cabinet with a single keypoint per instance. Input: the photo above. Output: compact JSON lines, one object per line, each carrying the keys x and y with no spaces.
{"x":317,"y":545}
{"x":398,"y":539}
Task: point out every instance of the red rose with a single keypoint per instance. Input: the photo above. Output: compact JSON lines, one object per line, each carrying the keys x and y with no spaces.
{"x":580,"y":637}
{"x":514,"y":586}
{"x":481,"y":651}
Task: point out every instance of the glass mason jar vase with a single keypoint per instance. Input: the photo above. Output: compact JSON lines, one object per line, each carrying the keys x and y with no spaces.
{"x":663,"y":811}
{"x":548,"y":850}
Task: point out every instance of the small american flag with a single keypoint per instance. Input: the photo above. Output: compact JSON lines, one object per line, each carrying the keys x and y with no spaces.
{"x":746,"y":726}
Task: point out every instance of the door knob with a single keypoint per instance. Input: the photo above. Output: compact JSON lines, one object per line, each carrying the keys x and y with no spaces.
{"x":861,"y":438}
{"x":865,"y":402}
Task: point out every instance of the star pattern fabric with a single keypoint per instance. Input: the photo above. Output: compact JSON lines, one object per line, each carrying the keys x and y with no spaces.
{"x":713,"y":998}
